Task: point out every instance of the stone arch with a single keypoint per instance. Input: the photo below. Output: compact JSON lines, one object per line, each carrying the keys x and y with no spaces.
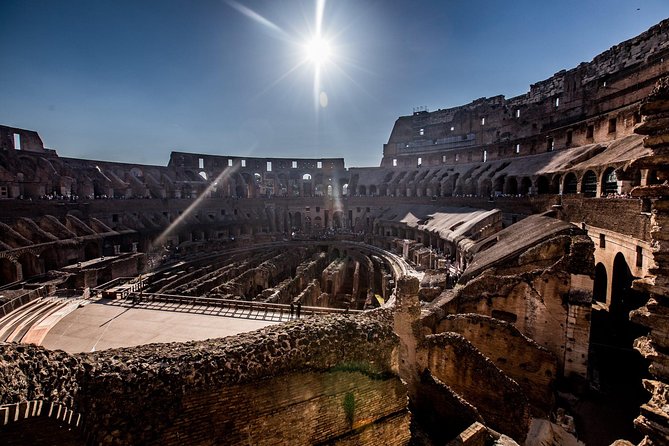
{"x":589,"y":184}
{"x":556,"y":182}
{"x":600,"y":284}
{"x":613,"y":363}
{"x":609,"y":182}
{"x":250,"y":185}
{"x":30,"y":264}
{"x":525,"y":186}
{"x":362,"y":190}
{"x":543,"y":185}
{"x":456,"y":187}
{"x":570,"y":184}
{"x":372,"y":190}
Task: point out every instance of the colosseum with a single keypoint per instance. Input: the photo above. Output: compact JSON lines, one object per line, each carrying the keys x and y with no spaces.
{"x":500,"y":278}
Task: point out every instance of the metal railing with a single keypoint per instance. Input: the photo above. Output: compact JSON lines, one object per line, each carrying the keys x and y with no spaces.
{"x":294,"y":310}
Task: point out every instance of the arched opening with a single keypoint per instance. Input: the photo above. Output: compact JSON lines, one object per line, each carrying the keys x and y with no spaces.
{"x":600,"y":283}
{"x":372,"y":190}
{"x":297,"y":221}
{"x":615,"y":368}
{"x":249,"y":182}
{"x":511,"y":186}
{"x":30,"y":265}
{"x":485,"y":188}
{"x":91,"y":250}
{"x":570,"y":184}
{"x":609,"y":182}
{"x":543,"y":186}
{"x":240,"y":187}
{"x":499,"y":185}
{"x":307,"y":185}
{"x":589,"y":184}
{"x":362,"y":190}
{"x":525,"y":186}
{"x":337,"y":220}
{"x":8,"y":273}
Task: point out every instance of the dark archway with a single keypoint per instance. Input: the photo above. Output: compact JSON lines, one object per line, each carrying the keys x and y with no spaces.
{"x":615,"y":368}
{"x":499,"y":185}
{"x":570,"y":184}
{"x":8,"y":273}
{"x":30,"y":265}
{"x":92,"y":250}
{"x":555,"y":184}
{"x":297,"y":221}
{"x":485,"y":189}
{"x":589,"y":184}
{"x":543,"y":185}
{"x":511,"y":186}
{"x":525,"y":186}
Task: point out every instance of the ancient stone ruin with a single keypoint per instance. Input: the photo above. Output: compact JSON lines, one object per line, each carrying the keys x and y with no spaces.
{"x":500,"y":278}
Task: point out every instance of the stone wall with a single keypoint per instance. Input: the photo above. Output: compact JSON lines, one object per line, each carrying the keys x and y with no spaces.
{"x":533,"y":367}
{"x":309,"y":381}
{"x":654,"y":418}
{"x":456,"y":362}
{"x":534,"y":291}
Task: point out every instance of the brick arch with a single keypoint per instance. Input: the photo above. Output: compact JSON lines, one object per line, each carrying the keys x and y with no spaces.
{"x":12,"y":413}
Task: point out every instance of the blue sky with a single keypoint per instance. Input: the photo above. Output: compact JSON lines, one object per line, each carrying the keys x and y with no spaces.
{"x":131,"y":80}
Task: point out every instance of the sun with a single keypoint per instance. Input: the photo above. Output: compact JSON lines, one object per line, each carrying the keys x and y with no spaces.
{"x":318,"y":51}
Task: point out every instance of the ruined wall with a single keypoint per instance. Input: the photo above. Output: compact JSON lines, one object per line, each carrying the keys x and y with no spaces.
{"x":533,"y":367}
{"x":456,"y":362}
{"x":573,"y":107}
{"x":537,"y":290}
{"x":325,"y":379}
{"x":654,"y":418}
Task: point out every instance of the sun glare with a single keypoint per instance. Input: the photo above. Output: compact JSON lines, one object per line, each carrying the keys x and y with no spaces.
{"x":318,"y":51}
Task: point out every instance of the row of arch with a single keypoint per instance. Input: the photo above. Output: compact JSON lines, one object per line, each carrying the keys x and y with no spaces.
{"x":589,"y":183}
{"x":31,"y":262}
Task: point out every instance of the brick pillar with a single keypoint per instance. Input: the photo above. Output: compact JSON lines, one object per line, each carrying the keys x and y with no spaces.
{"x":654,"y":419}
{"x":407,"y":326}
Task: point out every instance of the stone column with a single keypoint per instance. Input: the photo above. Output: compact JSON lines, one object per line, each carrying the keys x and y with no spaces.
{"x":654,"y":418}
